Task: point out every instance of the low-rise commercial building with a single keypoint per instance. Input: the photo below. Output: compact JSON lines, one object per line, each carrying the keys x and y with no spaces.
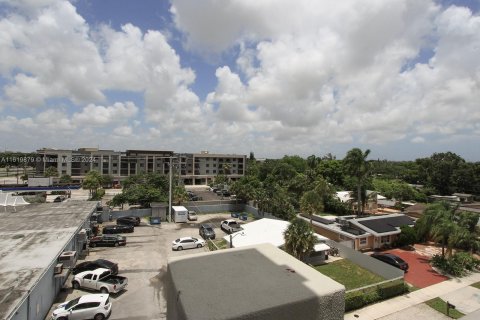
{"x":255,"y":282}
{"x":33,"y":239}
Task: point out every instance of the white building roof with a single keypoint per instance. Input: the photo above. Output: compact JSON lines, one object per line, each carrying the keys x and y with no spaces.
{"x":261,"y":231}
{"x":344,"y":196}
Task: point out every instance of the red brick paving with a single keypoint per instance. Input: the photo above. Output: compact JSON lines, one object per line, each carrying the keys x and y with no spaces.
{"x":420,"y":274}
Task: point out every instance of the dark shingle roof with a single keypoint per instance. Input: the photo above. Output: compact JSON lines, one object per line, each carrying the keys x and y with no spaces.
{"x":387,"y":224}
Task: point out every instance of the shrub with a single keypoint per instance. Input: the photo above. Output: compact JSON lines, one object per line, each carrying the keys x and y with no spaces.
{"x":466,"y":260}
{"x":357,"y":299}
{"x":392,"y":289}
{"x":354,"y":300}
{"x":457,"y":265}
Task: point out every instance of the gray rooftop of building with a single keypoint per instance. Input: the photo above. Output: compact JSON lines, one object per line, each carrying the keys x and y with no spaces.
{"x":31,"y":239}
{"x":248,"y":282}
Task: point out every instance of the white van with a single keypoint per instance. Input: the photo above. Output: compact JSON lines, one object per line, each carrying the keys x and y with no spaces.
{"x":180,"y":214}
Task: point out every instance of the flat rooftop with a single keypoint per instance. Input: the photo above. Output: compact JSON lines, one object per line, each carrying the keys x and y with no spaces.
{"x":31,"y":238}
{"x":248,"y":282}
{"x":260,"y":231}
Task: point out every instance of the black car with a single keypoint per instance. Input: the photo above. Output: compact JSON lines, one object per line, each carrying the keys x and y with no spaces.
{"x":206,"y":231}
{"x":134,"y":221}
{"x":95,"y":264}
{"x":119,"y":228}
{"x":391,"y":259}
{"x":108,"y":240}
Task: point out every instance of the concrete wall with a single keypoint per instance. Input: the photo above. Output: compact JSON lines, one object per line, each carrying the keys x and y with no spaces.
{"x":125,"y":213}
{"x":382,"y":269}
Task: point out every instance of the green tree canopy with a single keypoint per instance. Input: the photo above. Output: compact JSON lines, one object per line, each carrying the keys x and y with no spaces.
{"x":299,"y":239}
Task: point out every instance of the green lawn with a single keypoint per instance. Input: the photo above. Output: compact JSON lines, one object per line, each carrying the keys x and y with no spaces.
{"x":441,"y":306}
{"x":349,"y":274}
{"x":476,"y":285}
{"x":220,"y":243}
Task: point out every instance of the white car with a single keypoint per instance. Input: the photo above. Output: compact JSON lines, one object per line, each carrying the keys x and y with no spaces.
{"x":187,"y":243}
{"x":90,"y":306}
{"x":192,"y":216}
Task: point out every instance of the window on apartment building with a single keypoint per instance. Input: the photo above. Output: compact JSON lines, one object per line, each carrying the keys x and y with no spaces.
{"x":214,"y":171}
{"x":207,"y":165}
{"x":363,"y":241}
{"x":214,"y":165}
{"x":207,"y":171}
{"x":385,"y":239}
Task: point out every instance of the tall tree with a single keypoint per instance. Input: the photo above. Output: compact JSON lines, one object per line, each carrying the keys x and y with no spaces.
{"x":299,"y":239}
{"x":92,"y":181}
{"x":356,"y":164}
{"x":51,"y":172}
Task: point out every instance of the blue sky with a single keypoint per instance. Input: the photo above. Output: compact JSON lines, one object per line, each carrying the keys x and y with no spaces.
{"x":273,"y":77}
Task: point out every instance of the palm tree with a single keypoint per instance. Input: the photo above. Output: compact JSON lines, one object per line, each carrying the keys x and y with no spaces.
{"x":312,"y":201}
{"x":299,"y":239}
{"x":356,"y":164}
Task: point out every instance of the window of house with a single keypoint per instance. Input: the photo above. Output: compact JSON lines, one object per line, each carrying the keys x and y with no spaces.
{"x":363,"y":241}
{"x":385,"y":239}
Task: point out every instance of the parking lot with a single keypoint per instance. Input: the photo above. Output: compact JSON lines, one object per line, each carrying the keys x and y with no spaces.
{"x":143,"y":261}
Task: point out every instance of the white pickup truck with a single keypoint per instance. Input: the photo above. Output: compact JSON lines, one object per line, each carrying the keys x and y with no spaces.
{"x":99,"y":280}
{"x":230,"y":226}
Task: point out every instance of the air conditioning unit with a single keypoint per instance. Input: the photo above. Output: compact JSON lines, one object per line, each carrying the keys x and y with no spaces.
{"x":82,"y":236}
{"x":58,"y":268}
{"x":68,"y":258}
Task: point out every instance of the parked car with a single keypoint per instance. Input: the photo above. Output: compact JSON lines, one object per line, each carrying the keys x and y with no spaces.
{"x":230,"y":226}
{"x":108,"y":240}
{"x":95,"y":264}
{"x":206,"y":231}
{"x":134,"y":221}
{"x":391,"y":259}
{"x":119,"y":228}
{"x":59,"y":199}
{"x":90,"y":306}
{"x":192,"y":216}
{"x":187,"y":243}
{"x":99,"y":280}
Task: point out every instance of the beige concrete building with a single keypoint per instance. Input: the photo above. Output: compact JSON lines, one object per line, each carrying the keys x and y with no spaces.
{"x":191,"y":168}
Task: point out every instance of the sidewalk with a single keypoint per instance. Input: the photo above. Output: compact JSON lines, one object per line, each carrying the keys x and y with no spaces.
{"x":397,"y":304}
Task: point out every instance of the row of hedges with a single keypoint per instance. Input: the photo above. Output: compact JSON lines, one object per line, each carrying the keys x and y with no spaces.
{"x":360,"y":298}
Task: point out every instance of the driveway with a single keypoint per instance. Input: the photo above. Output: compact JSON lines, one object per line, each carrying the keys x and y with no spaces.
{"x":420,"y":274}
{"x":143,"y":261}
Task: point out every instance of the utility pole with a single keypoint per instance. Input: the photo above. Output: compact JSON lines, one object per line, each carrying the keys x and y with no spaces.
{"x":170,"y":192}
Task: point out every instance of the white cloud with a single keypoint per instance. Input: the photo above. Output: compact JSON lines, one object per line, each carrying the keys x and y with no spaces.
{"x":306,"y":76}
{"x":336,"y":72}
{"x":418,"y":140}
{"x":93,"y":115}
{"x":124,"y":131}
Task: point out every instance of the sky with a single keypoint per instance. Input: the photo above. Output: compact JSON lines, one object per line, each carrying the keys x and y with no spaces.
{"x":273,"y":77}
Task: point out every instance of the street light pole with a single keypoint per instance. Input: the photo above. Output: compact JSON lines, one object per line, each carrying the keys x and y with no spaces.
{"x":233,"y":236}
{"x":170,"y":192}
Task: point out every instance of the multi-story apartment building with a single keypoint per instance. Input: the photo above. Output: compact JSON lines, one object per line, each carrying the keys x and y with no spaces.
{"x":191,"y":168}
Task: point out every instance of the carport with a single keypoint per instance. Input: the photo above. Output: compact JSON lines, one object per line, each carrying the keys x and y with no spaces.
{"x":420,"y":274}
